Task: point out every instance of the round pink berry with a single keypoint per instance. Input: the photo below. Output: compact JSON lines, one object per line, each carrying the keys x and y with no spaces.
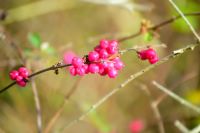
{"x":97,"y":48}
{"x":80,"y":71}
{"x":153,"y":60}
{"x":150,"y":53}
{"x":22,"y":69}
{"x":113,"y":43}
{"x":142,"y":55}
{"x":118,"y":64}
{"x":14,"y":74}
{"x":93,"y":56}
{"x":72,"y":70}
{"x":104,"y":43}
{"x":136,"y":126}
{"x":24,"y":74}
{"x":21,"y":83}
{"x":112,"y":50}
{"x":110,"y":64}
{"x":85,"y":66}
{"x":19,"y":78}
{"x":103,"y":53}
{"x":112,"y":73}
{"x":77,"y":62}
{"x":93,"y":68}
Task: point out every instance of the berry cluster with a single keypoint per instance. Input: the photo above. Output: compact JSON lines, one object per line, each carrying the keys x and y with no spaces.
{"x":102,"y":60}
{"x":20,"y":75}
{"x":148,"y":54}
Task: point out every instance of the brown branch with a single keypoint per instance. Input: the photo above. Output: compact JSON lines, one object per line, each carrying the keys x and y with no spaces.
{"x":156,"y":27}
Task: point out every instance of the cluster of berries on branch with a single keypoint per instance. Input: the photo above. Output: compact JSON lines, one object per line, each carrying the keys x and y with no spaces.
{"x":103,"y":60}
{"x":148,"y":54}
{"x":20,"y":76}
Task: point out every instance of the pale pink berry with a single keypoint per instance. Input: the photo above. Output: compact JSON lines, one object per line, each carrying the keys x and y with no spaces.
{"x":136,"y":126}
{"x":14,"y":74}
{"x":113,"y":43}
{"x":68,"y":56}
{"x":103,"y":53}
{"x":104,"y":43}
{"x":153,"y":60}
{"x":110,"y":64}
{"x":22,"y":69}
{"x":19,"y":78}
{"x":93,"y":68}
{"x":21,"y":83}
{"x":118,"y":64}
{"x":77,"y":62}
{"x":112,"y":73}
{"x":72,"y":70}
{"x":112,"y":50}
{"x":93,"y":56}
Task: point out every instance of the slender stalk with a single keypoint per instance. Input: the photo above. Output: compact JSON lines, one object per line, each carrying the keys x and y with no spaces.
{"x":37,"y":106}
{"x":176,"y":97}
{"x":181,"y":127}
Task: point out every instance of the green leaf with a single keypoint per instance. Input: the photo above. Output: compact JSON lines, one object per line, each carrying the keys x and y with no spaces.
{"x":35,"y":40}
{"x":148,"y":37}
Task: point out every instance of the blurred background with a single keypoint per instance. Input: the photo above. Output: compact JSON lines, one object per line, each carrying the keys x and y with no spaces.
{"x":40,"y":33}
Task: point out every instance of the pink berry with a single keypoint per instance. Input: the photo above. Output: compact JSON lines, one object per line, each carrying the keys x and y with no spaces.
{"x":118,"y":64}
{"x":22,"y":69}
{"x":112,"y":50}
{"x":136,"y":126}
{"x":113,"y":43}
{"x":110,"y":64}
{"x":93,"y":56}
{"x":77,"y":62}
{"x":24,"y":74}
{"x":103,"y":53}
{"x":112,"y":73}
{"x":93,"y":68}
{"x":142,"y":55}
{"x":21,"y":83}
{"x":104,"y":44}
{"x":19,"y":78}
{"x":153,"y":60}
{"x":150,"y":53}
{"x":97,"y":48}
{"x":80,"y":71}
{"x":85,"y":66}
{"x":14,"y":74}
{"x":72,"y":70}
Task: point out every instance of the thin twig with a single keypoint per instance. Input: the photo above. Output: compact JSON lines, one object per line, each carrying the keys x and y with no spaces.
{"x":185,"y":19}
{"x":155,"y":109}
{"x":154,"y":28}
{"x":196,"y":129}
{"x":37,"y":106}
{"x":176,"y":97}
{"x":181,"y":127}
{"x":60,"y":110}
{"x":131,"y":78}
